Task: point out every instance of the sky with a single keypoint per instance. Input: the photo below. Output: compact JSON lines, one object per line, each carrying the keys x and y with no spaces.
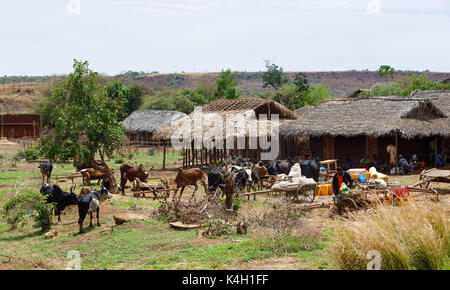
{"x":43,"y":37}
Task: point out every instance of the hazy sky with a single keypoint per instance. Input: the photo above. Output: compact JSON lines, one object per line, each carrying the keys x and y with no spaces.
{"x":43,"y":37}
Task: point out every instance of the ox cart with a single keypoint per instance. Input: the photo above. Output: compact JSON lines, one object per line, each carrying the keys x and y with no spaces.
{"x":301,"y":193}
{"x":89,"y":174}
{"x":139,"y":188}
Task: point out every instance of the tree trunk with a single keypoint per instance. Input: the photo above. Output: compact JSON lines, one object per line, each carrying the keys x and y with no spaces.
{"x":108,"y":173}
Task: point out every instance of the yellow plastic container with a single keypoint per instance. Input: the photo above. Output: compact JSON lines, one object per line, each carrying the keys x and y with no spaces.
{"x":330,"y":189}
{"x":323,"y":190}
{"x":367,"y":175}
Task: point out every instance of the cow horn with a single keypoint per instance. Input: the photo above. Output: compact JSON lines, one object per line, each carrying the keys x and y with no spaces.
{"x":72,"y":188}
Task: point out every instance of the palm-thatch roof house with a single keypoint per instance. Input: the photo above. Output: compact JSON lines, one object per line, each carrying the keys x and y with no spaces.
{"x":247,"y":120}
{"x":355,"y":128}
{"x":141,"y":125}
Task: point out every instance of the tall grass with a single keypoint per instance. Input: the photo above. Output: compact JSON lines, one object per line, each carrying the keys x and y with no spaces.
{"x":408,"y":237}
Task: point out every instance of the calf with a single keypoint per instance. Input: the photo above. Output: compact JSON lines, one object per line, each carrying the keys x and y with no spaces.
{"x":46,"y":170}
{"x":189,"y":177}
{"x":89,"y":203}
{"x":60,"y":198}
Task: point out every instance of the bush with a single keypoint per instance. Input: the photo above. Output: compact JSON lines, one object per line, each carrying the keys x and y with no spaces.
{"x":32,"y":154}
{"x":119,"y":161}
{"x":409,"y":237}
{"x":151,"y":151}
{"x":26,"y":203}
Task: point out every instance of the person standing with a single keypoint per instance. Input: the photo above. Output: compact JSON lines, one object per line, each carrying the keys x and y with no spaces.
{"x":339,"y":178}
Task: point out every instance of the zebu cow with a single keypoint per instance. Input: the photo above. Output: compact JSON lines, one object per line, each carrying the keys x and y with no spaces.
{"x":215,"y":179}
{"x":90,"y":202}
{"x":189,"y":177}
{"x":46,"y":170}
{"x":130,"y":172}
{"x":60,"y":198}
{"x":310,"y":169}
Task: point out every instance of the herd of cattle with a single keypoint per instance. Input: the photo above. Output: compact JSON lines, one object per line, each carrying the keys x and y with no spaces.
{"x":242,"y":173}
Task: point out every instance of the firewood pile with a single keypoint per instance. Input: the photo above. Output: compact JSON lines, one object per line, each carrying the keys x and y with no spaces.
{"x":195,"y":212}
{"x":354,"y":201}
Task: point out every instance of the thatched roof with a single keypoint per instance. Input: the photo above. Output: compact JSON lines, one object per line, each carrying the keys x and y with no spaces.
{"x":303,"y":110}
{"x":150,"y":120}
{"x":246,"y":111}
{"x":421,"y":114}
{"x":258,"y":105}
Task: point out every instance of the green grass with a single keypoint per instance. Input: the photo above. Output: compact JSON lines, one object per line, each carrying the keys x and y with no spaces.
{"x":148,"y":244}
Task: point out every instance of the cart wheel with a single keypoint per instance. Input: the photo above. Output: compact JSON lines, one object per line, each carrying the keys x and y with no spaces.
{"x":86,"y":179}
{"x":307,"y":195}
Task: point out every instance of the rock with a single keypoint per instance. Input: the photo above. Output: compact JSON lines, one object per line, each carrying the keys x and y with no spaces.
{"x":51,"y":234}
{"x":105,"y":230}
{"x":127,"y":217}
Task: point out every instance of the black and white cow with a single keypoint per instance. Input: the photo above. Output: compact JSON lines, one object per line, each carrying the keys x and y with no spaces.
{"x":46,"y":170}
{"x":90,"y":202}
{"x":60,"y":198}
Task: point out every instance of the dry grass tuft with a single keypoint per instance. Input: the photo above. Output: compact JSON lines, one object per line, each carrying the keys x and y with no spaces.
{"x":408,"y":237}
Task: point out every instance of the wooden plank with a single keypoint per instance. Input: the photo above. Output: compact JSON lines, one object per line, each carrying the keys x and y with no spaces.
{"x":422,"y":182}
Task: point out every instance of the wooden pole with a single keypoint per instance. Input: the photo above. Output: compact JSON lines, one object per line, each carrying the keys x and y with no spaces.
{"x":435,"y":150}
{"x":164,"y":154}
{"x":396,"y":149}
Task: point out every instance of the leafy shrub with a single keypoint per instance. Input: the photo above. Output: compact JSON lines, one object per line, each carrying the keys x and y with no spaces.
{"x":27,"y":203}
{"x":119,"y":161}
{"x":151,"y":151}
{"x":408,"y":237}
{"x":32,"y":154}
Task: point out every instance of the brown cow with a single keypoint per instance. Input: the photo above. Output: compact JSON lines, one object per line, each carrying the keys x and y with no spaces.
{"x":189,"y":177}
{"x":130,"y":172}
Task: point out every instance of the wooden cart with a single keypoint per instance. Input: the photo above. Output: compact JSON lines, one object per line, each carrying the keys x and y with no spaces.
{"x":303,"y":193}
{"x":89,"y":174}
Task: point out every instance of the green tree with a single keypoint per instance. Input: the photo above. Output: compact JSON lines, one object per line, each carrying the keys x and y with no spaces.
{"x":385,"y":71}
{"x":89,"y":123}
{"x":290,"y":97}
{"x":226,"y":85}
{"x":273,"y":76}
{"x":301,"y":82}
{"x":128,"y":99}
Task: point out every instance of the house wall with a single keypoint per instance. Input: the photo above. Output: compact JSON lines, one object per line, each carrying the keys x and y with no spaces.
{"x":20,"y":125}
{"x":357,"y":147}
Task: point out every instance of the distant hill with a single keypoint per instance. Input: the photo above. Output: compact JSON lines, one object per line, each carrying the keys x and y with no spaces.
{"x":339,"y":84}
{"x":21,"y":95}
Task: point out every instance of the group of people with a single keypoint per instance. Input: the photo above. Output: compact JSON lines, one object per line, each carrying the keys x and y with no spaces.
{"x":364,"y":163}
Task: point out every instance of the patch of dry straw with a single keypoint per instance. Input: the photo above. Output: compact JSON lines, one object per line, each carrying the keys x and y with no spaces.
{"x":409,"y":237}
